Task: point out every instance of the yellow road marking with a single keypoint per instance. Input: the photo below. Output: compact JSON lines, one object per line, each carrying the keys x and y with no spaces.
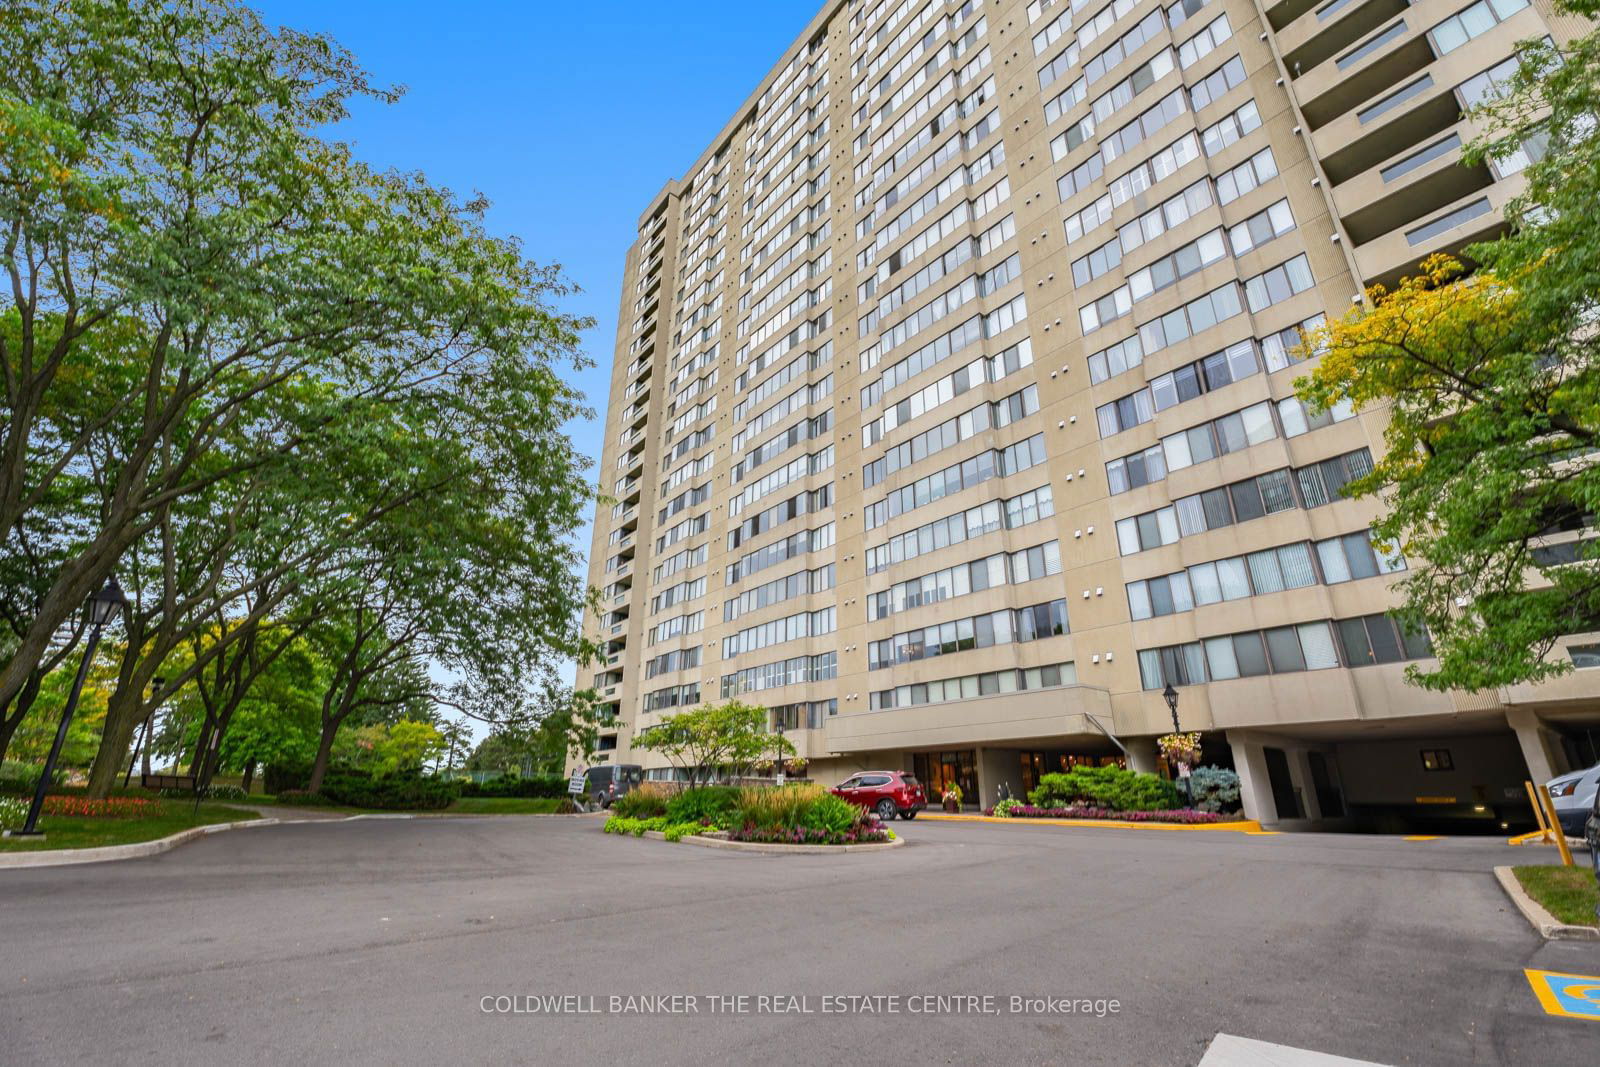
{"x":1422,"y":837}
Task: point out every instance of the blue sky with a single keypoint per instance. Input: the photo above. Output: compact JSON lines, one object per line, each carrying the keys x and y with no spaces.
{"x":569,"y":117}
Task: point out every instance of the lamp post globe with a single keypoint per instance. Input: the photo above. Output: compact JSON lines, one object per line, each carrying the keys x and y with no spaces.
{"x":103,"y":606}
{"x":106,"y":603}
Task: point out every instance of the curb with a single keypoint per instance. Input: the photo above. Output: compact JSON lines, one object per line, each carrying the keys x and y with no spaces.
{"x":1243,"y":826}
{"x":1540,"y":919}
{"x":65,"y":856}
{"x":784,"y":850}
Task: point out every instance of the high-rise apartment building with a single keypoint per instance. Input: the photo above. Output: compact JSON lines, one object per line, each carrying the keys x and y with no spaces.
{"x":952,"y":416}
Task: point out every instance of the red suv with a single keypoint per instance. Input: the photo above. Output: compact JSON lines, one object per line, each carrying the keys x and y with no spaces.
{"x":885,"y":792}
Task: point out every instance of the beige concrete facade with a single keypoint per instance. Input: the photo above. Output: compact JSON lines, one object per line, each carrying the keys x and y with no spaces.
{"x":920,"y":185}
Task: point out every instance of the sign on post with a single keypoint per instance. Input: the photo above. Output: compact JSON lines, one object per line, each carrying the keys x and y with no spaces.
{"x":577,"y":785}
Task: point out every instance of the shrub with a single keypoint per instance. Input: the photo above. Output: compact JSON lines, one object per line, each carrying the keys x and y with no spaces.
{"x":831,"y":814}
{"x":680,"y":830}
{"x":1215,"y":789}
{"x":710,"y":804}
{"x":538,"y":785}
{"x":620,"y":825}
{"x":566,"y":807}
{"x":300,"y":798}
{"x":20,"y":779}
{"x":288,"y":775}
{"x":1110,"y":787}
{"x":644,"y":802}
{"x":1005,"y":807}
{"x":777,"y":806}
{"x":407,"y":792}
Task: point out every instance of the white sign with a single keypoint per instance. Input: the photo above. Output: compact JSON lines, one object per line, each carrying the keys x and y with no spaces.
{"x":576,"y":786}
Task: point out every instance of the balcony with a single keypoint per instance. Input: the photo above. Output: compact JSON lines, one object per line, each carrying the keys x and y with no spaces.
{"x":1387,"y":57}
{"x":1333,"y":26}
{"x":1477,"y":216}
{"x":1419,"y":180}
{"x":1385,"y":60}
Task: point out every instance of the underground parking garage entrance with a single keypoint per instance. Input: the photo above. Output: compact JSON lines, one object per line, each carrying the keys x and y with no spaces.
{"x":1461,"y":774}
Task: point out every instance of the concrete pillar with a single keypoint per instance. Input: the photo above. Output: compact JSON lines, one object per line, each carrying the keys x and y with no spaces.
{"x":1255,"y":788}
{"x":996,"y":765}
{"x":1300,"y":772}
{"x":1141,"y":754}
{"x":1540,"y":747}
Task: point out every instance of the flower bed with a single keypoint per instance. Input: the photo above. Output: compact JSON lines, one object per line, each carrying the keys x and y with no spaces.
{"x":1181,"y":815}
{"x":797,"y":814}
{"x":798,"y":835}
{"x":109,"y":808}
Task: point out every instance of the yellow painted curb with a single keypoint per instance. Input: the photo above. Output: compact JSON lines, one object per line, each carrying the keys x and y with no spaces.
{"x":1247,"y":826}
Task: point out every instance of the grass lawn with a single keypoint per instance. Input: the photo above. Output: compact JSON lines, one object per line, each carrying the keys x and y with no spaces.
{"x":63,"y":831}
{"x":1568,"y":893}
{"x":505,"y":805}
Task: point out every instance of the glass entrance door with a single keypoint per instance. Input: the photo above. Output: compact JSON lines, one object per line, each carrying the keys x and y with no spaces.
{"x":938,"y":770}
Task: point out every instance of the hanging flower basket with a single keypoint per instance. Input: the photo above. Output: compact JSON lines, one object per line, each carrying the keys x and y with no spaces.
{"x":1180,"y":749}
{"x":795,"y":764}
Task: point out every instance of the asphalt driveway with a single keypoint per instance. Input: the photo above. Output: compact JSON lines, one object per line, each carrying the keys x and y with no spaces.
{"x":384,"y":941}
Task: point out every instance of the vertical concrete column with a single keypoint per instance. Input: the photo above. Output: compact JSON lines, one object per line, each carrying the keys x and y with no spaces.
{"x":1255,"y":788}
{"x":996,"y":765}
{"x":1300,"y":769}
{"x":1540,"y":749}
{"x":1141,"y":754}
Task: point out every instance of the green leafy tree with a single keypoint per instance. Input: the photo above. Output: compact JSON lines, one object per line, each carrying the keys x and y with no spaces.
{"x":505,"y":749}
{"x":456,"y":737}
{"x":206,"y":290}
{"x":535,"y":730}
{"x":707,"y":741}
{"x":1490,"y":372}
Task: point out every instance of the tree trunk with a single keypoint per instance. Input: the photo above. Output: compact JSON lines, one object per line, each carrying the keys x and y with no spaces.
{"x":124,"y":712}
{"x":9,"y":724}
{"x":8,"y":729}
{"x":324,"y":751}
{"x":249,"y":775}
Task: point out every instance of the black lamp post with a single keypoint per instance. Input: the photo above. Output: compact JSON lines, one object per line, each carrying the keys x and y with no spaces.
{"x":1170,"y":695}
{"x":777,"y":768}
{"x":144,"y":732}
{"x":103,"y":607}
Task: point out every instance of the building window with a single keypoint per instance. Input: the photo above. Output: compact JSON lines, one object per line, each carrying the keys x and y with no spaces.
{"x":1584,"y":655}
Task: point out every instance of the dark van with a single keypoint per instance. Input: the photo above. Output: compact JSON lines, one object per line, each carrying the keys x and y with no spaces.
{"x":607,"y":782}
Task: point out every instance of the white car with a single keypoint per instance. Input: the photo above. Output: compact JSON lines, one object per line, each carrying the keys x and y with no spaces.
{"x":1574,"y":798}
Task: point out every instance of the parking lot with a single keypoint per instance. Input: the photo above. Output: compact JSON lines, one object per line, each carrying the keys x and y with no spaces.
{"x":382,"y":941}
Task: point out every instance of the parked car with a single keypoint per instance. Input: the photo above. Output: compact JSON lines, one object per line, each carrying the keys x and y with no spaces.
{"x":888,"y":793}
{"x":609,"y":781}
{"x":1573,"y":796}
{"x":1591,"y":834}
